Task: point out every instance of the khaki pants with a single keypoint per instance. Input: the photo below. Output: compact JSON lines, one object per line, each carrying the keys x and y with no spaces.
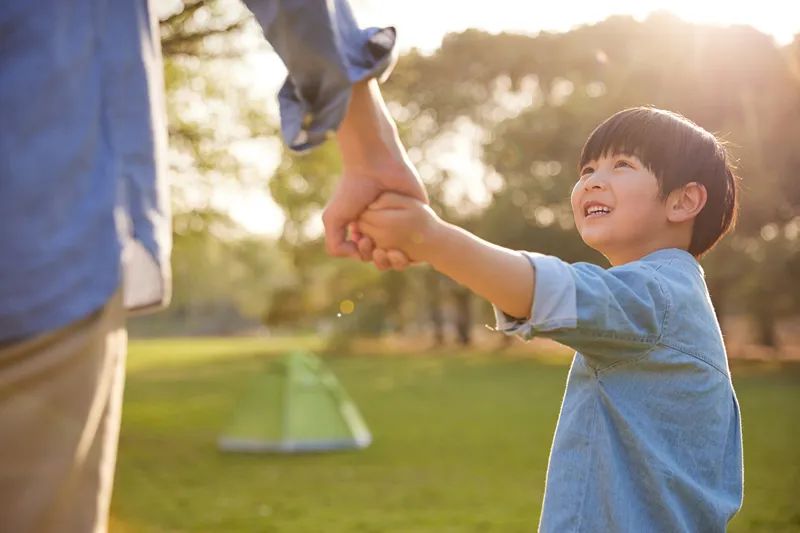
{"x":60,"y":406}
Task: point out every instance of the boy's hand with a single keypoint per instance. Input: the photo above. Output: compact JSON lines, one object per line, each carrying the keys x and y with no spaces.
{"x":359,"y":187}
{"x":382,"y":259}
{"x":398,"y":222}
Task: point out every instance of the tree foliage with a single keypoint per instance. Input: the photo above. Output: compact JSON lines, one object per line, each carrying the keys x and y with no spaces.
{"x":528,"y":103}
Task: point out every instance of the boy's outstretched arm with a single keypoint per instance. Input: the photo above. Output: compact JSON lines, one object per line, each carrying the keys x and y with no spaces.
{"x":502,"y":276}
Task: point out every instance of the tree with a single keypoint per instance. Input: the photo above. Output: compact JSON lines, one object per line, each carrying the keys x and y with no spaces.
{"x":223,"y":278}
{"x":525,"y":104}
{"x":537,"y":99}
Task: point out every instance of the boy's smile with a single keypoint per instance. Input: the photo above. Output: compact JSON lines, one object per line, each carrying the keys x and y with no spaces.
{"x":594,"y":209}
{"x":617,"y":208}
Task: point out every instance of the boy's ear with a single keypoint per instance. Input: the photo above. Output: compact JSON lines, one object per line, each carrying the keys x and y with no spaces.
{"x":686,"y":202}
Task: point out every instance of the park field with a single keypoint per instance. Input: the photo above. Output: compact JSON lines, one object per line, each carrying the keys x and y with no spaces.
{"x":460,"y":444}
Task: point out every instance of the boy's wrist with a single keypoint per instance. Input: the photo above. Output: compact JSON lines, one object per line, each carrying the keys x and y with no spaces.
{"x":432,"y":248}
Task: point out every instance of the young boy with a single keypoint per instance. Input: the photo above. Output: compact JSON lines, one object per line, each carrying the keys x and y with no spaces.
{"x":649,"y":435}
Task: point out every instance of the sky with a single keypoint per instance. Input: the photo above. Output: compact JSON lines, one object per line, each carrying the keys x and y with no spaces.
{"x":422,"y":24}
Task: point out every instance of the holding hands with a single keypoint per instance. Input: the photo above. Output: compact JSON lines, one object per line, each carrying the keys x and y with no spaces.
{"x":374,"y":162}
{"x":381,"y":202}
{"x":402,"y":225}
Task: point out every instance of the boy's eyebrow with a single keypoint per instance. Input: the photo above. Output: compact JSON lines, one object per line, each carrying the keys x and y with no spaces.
{"x":616,"y":152}
{"x":625,"y":154}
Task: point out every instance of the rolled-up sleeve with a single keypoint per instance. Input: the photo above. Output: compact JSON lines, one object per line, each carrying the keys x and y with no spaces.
{"x":325,"y":53}
{"x":553,"y":299}
{"x":606,"y":314}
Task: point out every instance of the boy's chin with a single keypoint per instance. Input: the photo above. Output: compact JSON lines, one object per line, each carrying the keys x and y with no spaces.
{"x":597,"y":244}
{"x":594,"y":241}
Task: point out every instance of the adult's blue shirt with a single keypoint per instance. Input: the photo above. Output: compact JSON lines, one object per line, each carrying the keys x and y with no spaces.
{"x":84,"y":204}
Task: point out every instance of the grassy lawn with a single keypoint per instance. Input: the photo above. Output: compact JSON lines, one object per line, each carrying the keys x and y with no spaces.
{"x":460,"y":444}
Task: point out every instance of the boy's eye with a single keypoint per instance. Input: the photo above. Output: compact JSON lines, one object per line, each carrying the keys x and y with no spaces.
{"x":622,"y":162}
{"x":586,"y":170}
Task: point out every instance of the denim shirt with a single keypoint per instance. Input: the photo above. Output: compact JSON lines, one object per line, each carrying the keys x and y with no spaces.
{"x":84,"y":201}
{"x":649,"y":434}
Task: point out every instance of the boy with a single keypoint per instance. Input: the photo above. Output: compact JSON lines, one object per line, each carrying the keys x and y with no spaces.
{"x":648,"y":438}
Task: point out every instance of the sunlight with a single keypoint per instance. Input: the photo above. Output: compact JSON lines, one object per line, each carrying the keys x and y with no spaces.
{"x":775,"y":17}
{"x":780,"y":19}
{"x":263,"y":73}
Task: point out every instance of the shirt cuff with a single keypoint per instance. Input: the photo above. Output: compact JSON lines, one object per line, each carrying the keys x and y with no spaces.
{"x":306,"y":124}
{"x":554,"y":299}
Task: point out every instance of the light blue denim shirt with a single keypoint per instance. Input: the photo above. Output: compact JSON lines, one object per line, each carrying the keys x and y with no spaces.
{"x":649,"y":434}
{"x":84,"y":201}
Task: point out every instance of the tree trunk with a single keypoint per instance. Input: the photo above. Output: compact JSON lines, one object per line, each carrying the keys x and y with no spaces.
{"x":765,"y":328}
{"x":395,"y":290}
{"x":463,"y":301}
{"x":433,"y":286}
{"x":505,"y":341}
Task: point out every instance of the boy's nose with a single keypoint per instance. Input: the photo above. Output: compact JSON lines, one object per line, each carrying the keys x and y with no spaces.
{"x":594,"y":183}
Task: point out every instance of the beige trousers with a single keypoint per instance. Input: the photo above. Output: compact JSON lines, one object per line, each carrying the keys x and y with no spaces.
{"x":60,"y":406}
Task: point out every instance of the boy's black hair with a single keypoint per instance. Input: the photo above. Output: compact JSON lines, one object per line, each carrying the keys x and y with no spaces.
{"x":677,"y":151}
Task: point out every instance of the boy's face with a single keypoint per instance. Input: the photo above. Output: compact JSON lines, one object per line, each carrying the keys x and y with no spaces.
{"x":617,"y":208}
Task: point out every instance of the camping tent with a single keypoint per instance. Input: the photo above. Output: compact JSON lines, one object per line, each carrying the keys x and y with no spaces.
{"x":297,"y":405}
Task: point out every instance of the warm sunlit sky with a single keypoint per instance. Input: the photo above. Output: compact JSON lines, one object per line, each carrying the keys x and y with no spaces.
{"x":423,"y":23}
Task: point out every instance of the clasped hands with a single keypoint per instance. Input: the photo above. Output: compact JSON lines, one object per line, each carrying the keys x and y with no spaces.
{"x":380,"y":198}
{"x":386,"y":213}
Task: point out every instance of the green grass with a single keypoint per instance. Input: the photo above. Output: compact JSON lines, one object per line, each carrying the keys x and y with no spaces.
{"x":460,"y":445}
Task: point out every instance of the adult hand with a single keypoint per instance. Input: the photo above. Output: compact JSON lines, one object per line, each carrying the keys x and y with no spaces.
{"x":356,"y":190}
{"x":374,"y":161}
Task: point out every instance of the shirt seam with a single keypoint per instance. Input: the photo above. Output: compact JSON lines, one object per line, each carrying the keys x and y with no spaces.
{"x":682,"y":258}
{"x":625,"y":362}
{"x":668,"y":300}
{"x":664,"y":343}
{"x":647,"y":340}
{"x":591,"y":441}
{"x":554,"y":323}
{"x":696,"y":356}
{"x":652,"y":344}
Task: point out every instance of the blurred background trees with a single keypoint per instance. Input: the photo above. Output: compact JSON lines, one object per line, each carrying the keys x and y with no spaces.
{"x":495,"y":123}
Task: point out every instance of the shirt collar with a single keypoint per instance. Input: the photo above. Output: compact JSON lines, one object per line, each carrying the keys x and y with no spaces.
{"x":667,"y":254}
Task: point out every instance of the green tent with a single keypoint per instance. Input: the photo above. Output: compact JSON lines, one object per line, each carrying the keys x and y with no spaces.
{"x":297,"y":406}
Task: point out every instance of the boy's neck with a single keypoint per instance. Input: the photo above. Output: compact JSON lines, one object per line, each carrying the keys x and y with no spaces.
{"x":672,"y":236}
{"x":625,"y":256}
